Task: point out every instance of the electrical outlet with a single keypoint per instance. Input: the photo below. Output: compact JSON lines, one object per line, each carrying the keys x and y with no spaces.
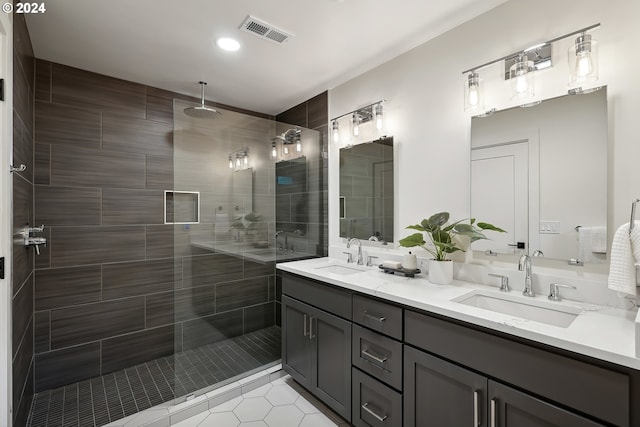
{"x":549,"y":227}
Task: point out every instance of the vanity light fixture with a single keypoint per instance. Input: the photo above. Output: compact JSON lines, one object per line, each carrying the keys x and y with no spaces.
{"x":239,"y":159}
{"x":583,"y":59}
{"x":519,"y":68}
{"x":373,"y":113}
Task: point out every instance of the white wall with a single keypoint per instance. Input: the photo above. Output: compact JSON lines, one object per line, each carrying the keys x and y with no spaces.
{"x":425,"y":101}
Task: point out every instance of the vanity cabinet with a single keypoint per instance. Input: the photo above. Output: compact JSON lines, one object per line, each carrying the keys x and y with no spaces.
{"x":316,"y":344}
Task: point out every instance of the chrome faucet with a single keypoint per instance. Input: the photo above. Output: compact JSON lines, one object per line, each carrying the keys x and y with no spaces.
{"x":524,"y":264}
{"x":286,"y":239}
{"x":354,"y":239}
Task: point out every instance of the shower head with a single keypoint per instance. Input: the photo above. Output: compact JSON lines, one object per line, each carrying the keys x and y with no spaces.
{"x":202,"y":111}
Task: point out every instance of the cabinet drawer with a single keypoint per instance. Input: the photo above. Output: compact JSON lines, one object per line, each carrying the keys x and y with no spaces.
{"x":374,"y":404}
{"x":318,"y":294}
{"x":377,"y":355}
{"x":379,"y":316}
{"x":591,"y":389}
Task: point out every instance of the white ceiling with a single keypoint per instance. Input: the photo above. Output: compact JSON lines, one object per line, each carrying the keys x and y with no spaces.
{"x":170,"y":43}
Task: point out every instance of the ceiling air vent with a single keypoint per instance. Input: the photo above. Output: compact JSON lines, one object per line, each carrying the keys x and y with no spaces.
{"x":264,"y":30}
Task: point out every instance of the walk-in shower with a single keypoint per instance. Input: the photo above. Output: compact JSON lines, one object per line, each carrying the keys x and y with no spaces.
{"x":199,"y":307}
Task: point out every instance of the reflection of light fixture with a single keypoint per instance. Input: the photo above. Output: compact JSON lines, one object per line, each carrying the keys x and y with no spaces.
{"x":239,"y":159}
{"x":336,"y":131}
{"x":522,"y":83}
{"x":274,"y":151}
{"x":583,"y":59}
{"x":230,"y":162}
{"x":379,"y":116}
{"x":356,"y":124}
{"x":245,"y":159}
{"x":473,"y":93}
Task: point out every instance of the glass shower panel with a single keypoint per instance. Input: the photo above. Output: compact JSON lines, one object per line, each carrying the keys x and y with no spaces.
{"x":225,"y":306}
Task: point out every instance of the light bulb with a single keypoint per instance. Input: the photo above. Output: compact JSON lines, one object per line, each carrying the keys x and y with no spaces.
{"x":584,"y":66}
{"x":274,"y":152}
{"x":336,"y":132}
{"x":474,"y":97}
{"x":522,"y":85}
{"x":298,"y":147}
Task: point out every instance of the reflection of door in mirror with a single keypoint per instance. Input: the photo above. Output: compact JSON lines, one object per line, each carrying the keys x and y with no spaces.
{"x":499,"y":195}
{"x":366,"y":191}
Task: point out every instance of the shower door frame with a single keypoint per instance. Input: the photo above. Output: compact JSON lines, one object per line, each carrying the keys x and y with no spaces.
{"x":6,"y":208}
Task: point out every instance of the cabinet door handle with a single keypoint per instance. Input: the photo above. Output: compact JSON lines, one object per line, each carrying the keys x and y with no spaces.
{"x":476,"y":404}
{"x":311,"y":318}
{"x":374,"y":317}
{"x":304,"y":330}
{"x":373,"y":356}
{"x":493,"y":413}
{"x":365,"y":406}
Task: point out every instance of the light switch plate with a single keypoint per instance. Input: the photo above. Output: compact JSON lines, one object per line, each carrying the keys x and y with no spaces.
{"x":549,"y":227}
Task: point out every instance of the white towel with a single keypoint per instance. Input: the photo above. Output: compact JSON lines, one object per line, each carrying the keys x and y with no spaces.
{"x":625,"y":254}
{"x":599,"y":240}
{"x":586,"y":241}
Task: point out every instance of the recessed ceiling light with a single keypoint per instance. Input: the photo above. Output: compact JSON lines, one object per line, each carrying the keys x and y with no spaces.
{"x":229,"y":44}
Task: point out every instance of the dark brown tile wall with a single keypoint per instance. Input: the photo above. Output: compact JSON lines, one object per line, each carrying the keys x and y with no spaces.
{"x":111,"y":288}
{"x":22,"y":279}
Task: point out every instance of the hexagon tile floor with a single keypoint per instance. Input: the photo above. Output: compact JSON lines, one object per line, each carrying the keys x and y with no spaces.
{"x":281,"y":403}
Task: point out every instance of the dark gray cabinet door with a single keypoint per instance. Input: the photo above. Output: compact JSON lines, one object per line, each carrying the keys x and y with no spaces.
{"x":331,"y":336}
{"x":512,"y":408}
{"x":296,"y":344}
{"x":439,"y":393}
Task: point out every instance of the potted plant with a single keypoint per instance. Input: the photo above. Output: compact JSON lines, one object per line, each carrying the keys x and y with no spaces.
{"x":443,"y":242}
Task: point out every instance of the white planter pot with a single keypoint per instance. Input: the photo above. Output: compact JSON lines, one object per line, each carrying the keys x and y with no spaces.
{"x":440,"y":272}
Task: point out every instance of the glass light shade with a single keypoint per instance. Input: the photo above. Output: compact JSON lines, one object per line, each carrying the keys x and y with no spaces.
{"x":473,"y":93}
{"x":336,"y":132}
{"x":356,"y":125}
{"x":521,"y":79}
{"x":583,"y":60}
{"x":230,"y":163}
{"x":237,"y":162}
{"x":379,"y":117}
{"x":246,"y":160}
{"x":298,"y":146}
{"x":274,"y":151}
{"x":285,"y":149}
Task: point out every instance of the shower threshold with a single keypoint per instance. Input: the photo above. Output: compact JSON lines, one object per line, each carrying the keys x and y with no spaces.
{"x":101,"y":400}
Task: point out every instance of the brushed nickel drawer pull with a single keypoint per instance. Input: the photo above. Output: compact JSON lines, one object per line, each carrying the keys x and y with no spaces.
{"x":493,"y":413}
{"x":311,"y":318}
{"x":365,"y":406}
{"x":374,"y":317}
{"x":373,"y":356}
{"x":476,"y":418}
{"x":304,"y":330}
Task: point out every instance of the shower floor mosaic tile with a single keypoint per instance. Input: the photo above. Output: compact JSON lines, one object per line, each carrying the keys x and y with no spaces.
{"x":98,"y":401}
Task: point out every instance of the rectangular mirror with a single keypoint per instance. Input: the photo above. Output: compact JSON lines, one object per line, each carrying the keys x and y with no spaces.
{"x":366,"y":191}
{"x":541,"y":174}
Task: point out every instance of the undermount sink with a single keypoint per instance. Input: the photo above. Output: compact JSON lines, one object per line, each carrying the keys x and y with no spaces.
{"x":535,"y":310}
{"x":339,"y":269}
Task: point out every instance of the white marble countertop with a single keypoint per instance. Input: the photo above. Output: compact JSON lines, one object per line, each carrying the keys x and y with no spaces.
{"x":598,"y":331}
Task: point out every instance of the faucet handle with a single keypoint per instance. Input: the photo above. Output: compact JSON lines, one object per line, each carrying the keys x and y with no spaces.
{"x":504,"y":282}
{"x":554,"y":292}
{"x":349,"y":256}
{"x":370,"y":260}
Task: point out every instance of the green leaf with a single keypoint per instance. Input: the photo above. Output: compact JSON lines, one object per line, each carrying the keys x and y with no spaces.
{"x":472,"y":220}
{"x":416,"y":239}
{"x":439,"y":219}
{"x":416,"y":227}
{"x":487,"y":226}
